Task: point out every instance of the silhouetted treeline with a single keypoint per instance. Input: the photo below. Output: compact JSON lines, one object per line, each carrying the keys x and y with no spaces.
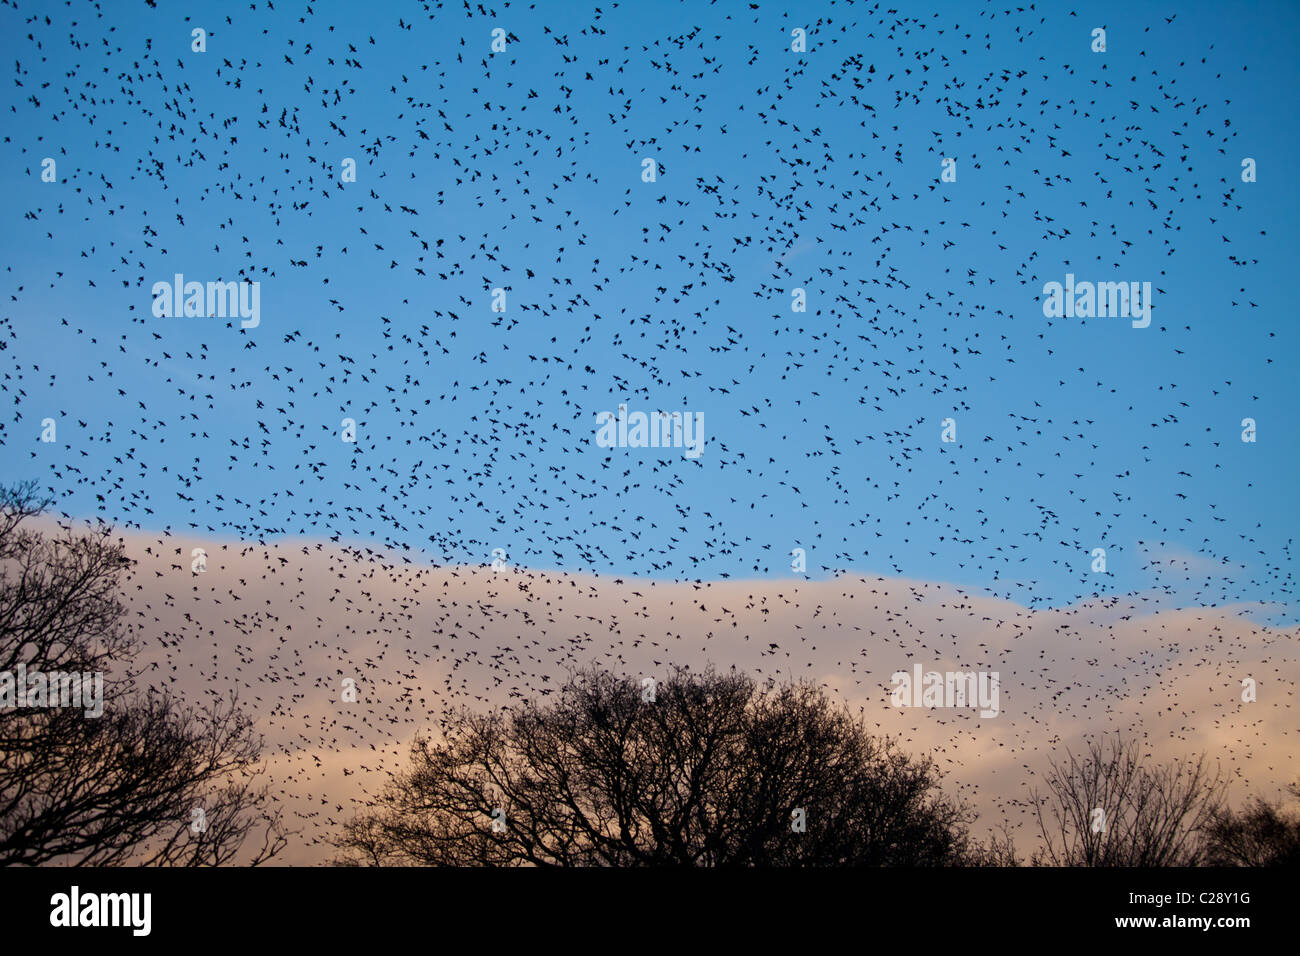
{"x":709,"y":769}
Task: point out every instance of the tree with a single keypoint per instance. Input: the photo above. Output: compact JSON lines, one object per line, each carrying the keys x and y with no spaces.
{"x":147,"y":780}
{"x":704,"y":769}
{"x":1262,"y":834}
{"x":1109,"y":808}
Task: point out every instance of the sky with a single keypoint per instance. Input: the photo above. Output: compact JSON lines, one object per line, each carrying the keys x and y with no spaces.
{"x":777,"y":170}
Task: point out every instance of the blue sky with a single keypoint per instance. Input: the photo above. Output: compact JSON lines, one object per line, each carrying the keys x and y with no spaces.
{"x":817,"y":170}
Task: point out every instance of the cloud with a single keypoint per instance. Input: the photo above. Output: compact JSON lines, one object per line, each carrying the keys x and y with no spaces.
{"x":1164,"y":559}
{"x":285,"y":623}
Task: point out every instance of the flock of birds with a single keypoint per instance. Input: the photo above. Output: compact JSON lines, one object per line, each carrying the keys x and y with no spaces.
{"x":514,"y":161}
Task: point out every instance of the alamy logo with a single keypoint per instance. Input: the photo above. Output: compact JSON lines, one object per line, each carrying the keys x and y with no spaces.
{"x":55,"y":689}
{"x":103,"y":909}
{"x":657,"y":430}
{"x":216,"y":300}
{"x":947,"y":689}
{"x":1087,"y":300}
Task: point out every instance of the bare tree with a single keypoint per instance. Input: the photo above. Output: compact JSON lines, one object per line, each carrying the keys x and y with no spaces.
{"x":1108,"y":808}
{"x":999,"y":850}
{"x":1261,"y":834}
{"x":705,"y":770}
{"x":148,"y":780}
